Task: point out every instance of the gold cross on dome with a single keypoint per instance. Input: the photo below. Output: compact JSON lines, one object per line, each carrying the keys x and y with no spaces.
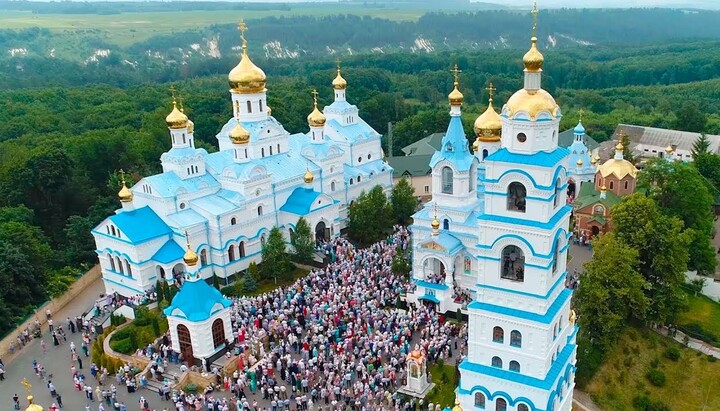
{"x":243,"y":28}
{"x":456,"y":72}
{"x":491,"y":91}
{"x":337,"y":63}
{"x":315,"y":94}
{"x":436,"y":211}
{"x":534,"y":12}
{"x":25,"y":383}
{"x":581,"y":114}
{"x":172,"y":92}
{"x":122,"y":176}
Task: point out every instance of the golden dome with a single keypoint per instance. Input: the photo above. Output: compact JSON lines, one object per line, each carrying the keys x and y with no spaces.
{"x":190,"y":126}
{"x":488,"y":125}
{"x":125,"y":194}
{"x":603,"y":188}
{"x":316,"y":118}
{"x":176,"y":119}
{"x":308,"y":177}
{"x":246,"y":77}
{"x":339,"y":83}
{"x":239,"y":135}
{"x":594,"y":160}
{"x":532,"y":103}
{"x":269,"y":111}
{"x":416,"y":354}
{"x":620,"y":168}
{"x":668,"y":149}
{"x":579,"y":162}
{"x":455,"y":96}
{"x":435,"y":224}
{"x":619,"y":146}
{"x":33,"y":407}
{"x":457,"y":406}
{"x":190,"y":258}
{"x":476,"y":145}
{"x":533,"y":59}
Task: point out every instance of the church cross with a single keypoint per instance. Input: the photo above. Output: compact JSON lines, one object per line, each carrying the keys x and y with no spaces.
{"x":243,"y":28}
{"x":315,"y":94}
{"x":122,"y":176}
{"x":25,"y":383}
{"x":456,"y":73}
{"x":172,"y":92}
{"x":491,"y":91}
{"x":535,"y":18}
{"x":436,"y":211}
{"x":337,"y":63}
{"x":581,"y":114}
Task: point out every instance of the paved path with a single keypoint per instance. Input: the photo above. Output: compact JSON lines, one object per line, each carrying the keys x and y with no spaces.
{"x":693,"y":343}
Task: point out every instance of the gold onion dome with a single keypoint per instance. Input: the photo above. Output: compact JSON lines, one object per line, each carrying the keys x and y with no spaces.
{"x":533,"y":59}
{"x":476,"y":145}
{"x":579,"y":162}
{"x":308,"y":177}
{"x":668,"y":149}
{"x":316,"y":118}
{"x":532,"y":102}
{"x":339,"y":83}
{"x":33,"y":407}
{"x":246,"y":77}
{"x":455,"y":96}
{"x":239,"y":134}
{"x":457,"y":406}
{"x":488,"y":125}
{"x":594,"y":160}
{"x":190,"y":126}
{"x":621,"y":168}
{"x":603,"y":188}
{"x":176,"y":119}
{"x":435,"y":224}
{"x":190,"y":258}
{"x":125,"y":194}
{"x":619,"y":147}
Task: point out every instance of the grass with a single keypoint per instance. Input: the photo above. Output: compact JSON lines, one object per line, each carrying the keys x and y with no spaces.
{"x":265,"y":285}
{"x":444,"y":392}
{"x":702,"y":311}
{"x":127,"y":28}
{"x":691,"y":381}
{"x":145,"y":328}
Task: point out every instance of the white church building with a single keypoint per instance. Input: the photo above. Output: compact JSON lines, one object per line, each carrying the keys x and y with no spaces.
{"x":493,"y":242}
{"x":261,"y":177}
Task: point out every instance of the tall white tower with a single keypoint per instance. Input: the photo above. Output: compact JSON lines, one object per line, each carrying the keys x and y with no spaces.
{"x":521,"y":342}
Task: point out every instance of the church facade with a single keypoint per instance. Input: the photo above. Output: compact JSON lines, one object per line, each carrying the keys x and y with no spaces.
{"x":493,"y":242}
{"x":228,"y":201}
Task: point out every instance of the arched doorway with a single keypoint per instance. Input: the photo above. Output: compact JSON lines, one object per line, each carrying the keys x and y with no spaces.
{"x":434,"y":271}
{"x":595,"y":230}
{"x":161,"y":272}
{"x":571,"y":189}
{"x":322,"y":232}
{"x":185,"y":343}
{"x":218,"y":332}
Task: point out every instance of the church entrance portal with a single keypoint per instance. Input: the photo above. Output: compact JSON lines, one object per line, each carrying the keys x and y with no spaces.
{"x":185,"y":343}
{"x":322,"y":232}
{"x":434,"y":271}
{"x":595,"y":230}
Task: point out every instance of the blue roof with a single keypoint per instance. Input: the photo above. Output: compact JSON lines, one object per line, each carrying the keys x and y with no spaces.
{"x":140,"y":225}
{"x":168,"y":184}
{"x":546,"y":318}
{"x":455,"y":147}
{"x":541,"y":159}
{"x":449,"y":241}
{"x":579,"y":129}
{"x":169,"y":252}
{"x":432,"y":286}
{"x":339,"y":107}
{"x":196,"y":301}
{"x":185,"y":218}
{"x":214,"y":205}
{"x":280,"y":167}
{"x":429,"y":298}
{"x":300,"y":201}
{"x":360,"y":130}
{"x":303,"y":144}
{"x":179,"y":153}
{"x":253,"y":127}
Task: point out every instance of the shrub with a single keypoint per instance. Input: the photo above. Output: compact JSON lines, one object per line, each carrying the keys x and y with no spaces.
{"x":641,"y":402}
{"x":191,"y":388}
{"x":628,"y":362}
{"x":658,"y":405}
{"x":249,"y":284}
{"x":656,"y":377}
{"x":672,"y":353}
{"x":230,"y":290}
{"x":655,"y":362}
{"x":711,"y":358}
{"x":121,"y":346}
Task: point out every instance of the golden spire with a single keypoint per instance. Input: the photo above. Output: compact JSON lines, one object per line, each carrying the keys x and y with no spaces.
{"x":124,"y":194}
{"x":603,"y":188}
{"x":239,"y":134}
{"x":316,"y":118}
{"x":488,"y":125}
{"x":176,"y":119}
{"x":31,"y":406}
{"x":435,"y":224}
{"x":455,"y":96}
{"x":308,"y":177}
{"x":246,"y":77}
{"x":619,"y":146}
{"x":190,"y":258}
{"x":339,"y":83}
{"x":533,"y":59}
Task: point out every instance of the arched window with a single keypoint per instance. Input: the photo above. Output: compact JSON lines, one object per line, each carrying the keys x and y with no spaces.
{"x":485,"y":154}
{"x":291,"y":234}
{"x":611,"y":185}
{"x":203,"y":258}
{"x":516,"y":195}
{"x":516,"y":338}
{"x":270,"y":150}
{"x":112,"y":262}
{"x":498,"y":335}
{"x":514,"y":366}
{"x":496,"y":362}
{"x":523,"y":407}
{"x":479,"y":400}
{"x":500,"y":404}
{"x":556,"y":255}
{"x":278,"y":148}
{"x":332,"y":186}
{"x":513,"y":264}
{"x":260,"y":105}
{"x":231,"y":252}
{"x":259,"y":210}
{"x":352,"y":181}
{"x":119,"y":265}
{"x":599,"y":210}
{"x":112,"y":227}
{"x":185,"y":342}
{"x":127,"y":268}
{"x":626,"y":185}
{"x":447,"y":180}
{"x":249,"y":106}
{"x":556,"y":200}
{"x":241,"y":249}
{"x":262,"y":239}
{"x":233,"y":221}
{"x":359,"y":178}
{"x":446,"y":224}
{"x":218,"y":332}
{"x":262,"y":151}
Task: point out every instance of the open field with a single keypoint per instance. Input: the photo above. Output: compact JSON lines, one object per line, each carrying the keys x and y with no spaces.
{"x":702,"y":312}
{"x":623,"y":376}
{"x":127,"y":28}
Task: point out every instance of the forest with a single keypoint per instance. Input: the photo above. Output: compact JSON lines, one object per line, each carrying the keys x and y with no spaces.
{"x":66,"y":128}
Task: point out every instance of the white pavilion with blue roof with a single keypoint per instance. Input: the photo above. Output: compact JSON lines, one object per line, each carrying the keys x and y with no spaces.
{"x":261,"y":177}
{"x":493,"y":242}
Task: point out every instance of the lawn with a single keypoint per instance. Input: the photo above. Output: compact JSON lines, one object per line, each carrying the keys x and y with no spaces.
{"x":444,"y":391}
{"x":691,"y":382}
{"x":703,"y":317}
{"x":265,"y":285}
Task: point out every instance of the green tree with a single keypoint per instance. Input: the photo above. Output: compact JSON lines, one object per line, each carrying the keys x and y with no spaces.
{"x":276,"y":261}
{"x":404,"y":203}
{"x":254,"y":271}
{"x":216,"y":281}
{"x":249,"y":284}
{"x":401,"y":262}
{"x":690,"y":118}
{"x":302,"y":241}
{"x":370,"y":216}
{"x":700,"y":146}
{"x":680,"y":191}
{"x":611,"y":292}
{"x":662,"y":247}
{"x":708,"y":165}
{"x":627,"y":151}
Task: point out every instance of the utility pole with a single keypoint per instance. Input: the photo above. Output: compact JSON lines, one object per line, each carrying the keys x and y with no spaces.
{"x":389,"y":139}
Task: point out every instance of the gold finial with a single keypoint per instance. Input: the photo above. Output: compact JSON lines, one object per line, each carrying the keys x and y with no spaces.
{"x":315,"y":94}
{"x":190,"y":257}
{"x":25,"y":383}
{"x":491,"y":92}
{"x":581,"y":114}
{"x":316,"y":118}
{"x":125,"y":195}
{"x":308,"y":177}
{"x":456,"y":74}
{"x":172,"y":93}
{"x":337,"y":63}
{"x":455,"y":96}
{"x":535,"y":18}
{"x":243,"y":28}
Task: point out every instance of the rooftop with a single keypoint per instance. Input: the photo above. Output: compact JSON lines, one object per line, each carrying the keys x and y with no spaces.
{"x":660,"y":137}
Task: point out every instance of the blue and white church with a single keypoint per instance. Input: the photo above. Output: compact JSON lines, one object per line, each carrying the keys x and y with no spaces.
{"x":261,"y":177}
{"x":493,"y":242}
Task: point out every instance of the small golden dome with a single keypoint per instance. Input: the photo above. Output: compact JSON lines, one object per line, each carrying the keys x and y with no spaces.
{"x":579,"y":162}
{"x":594,"y":160}
{"x":33,"y":407}
{"x":269,"y":111}
{"x":533,"y":59}
{"x":619,"y":146}
{"x":457,"y":406}
{"x":532,"y":103}
{"x":176,"y":119}
{"x":246,"y":77}
{"x":190,"y":126}
{"x":669,"y":149}
{"x":308,"y":177}
{"x":435,"y":224}
{"x":488,"y":125}
{"x":476,"y":145}
{"x":603,"y":188}
{"x":239,"y":134}
{"x":190,"y":258}
{"x":455,"y":96}
{"x":125,"y":194}
{"x":620,"y":168}
{"x":316,"y":118}
{"x":416,"y":354}
{"x":339,"y":83}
